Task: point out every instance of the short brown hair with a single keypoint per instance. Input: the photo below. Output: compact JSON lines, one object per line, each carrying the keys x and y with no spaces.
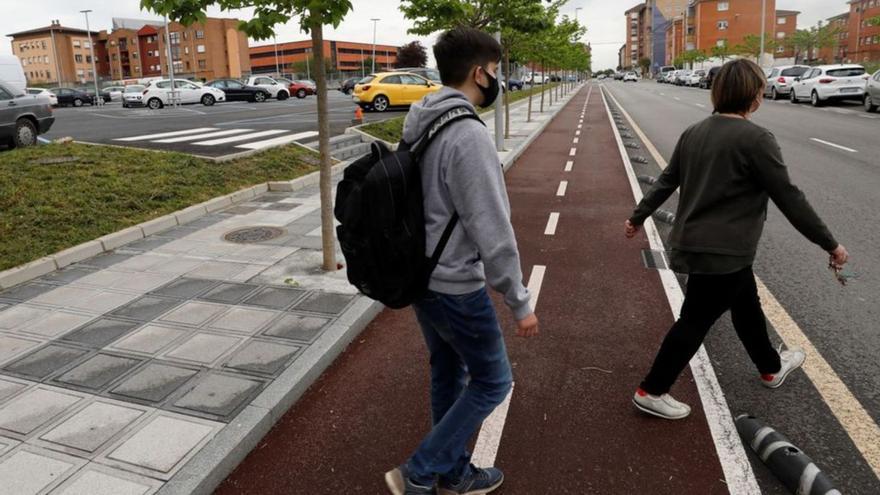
{"x":736,"y":87}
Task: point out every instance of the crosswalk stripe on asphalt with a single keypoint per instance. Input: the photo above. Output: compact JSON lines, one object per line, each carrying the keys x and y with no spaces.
{"x":258,"y":145}
{"x":197,"y":137}
{"x":240,"y":137}
{"x":147,"y":137}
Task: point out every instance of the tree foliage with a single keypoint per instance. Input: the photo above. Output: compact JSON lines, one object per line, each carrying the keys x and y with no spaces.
{"x":722,"y":51}
{"x":751,"y":46}
{"x":412,"y":54}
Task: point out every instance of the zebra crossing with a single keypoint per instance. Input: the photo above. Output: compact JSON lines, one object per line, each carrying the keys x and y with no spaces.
{"x":207,"y":137}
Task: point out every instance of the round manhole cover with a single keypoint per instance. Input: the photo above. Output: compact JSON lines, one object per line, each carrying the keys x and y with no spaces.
{"x":253,"y":235}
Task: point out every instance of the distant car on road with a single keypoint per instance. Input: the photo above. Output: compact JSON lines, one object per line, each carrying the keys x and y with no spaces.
{"x":387,"y":89}
{"x":238,"y":91}
{"x":427,"y":73}
{"x":90,"y":90}
{"x":347,"y":86}
{"x":37,"y":92}
{"x":115,"y":92}
{"x":72,"y":97}
{"x":536,"y":78}
{"x":301,"y":89}
{"x":830,"y":82}
{"x":780,"y":79}
{"x":276,"y":89}
{"x":664,"y":72}
{"x":23,"y":117}
{"x":872,"y":93}
{"x":630,"y":77}
{"x":706,"y":80}
{"x":158,"y":93}
{"x":695,"y":77}
{"x":682,"y":77}
{"x":133,"y":96}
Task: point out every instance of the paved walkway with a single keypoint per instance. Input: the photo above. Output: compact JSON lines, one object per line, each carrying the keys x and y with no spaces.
{"x":570,"y":427}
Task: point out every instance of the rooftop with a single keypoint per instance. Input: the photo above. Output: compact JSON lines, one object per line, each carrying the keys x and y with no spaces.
{"x":52,"y":27}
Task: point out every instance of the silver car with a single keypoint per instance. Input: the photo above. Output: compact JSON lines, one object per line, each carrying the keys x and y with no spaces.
{"x":133,"y":96}
{"x":872,"y":93}
{"x":779,"y":80}
{"x":23,"y":117}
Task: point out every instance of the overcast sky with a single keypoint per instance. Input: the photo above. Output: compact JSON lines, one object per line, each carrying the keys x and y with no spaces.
{"x":604,"y":20}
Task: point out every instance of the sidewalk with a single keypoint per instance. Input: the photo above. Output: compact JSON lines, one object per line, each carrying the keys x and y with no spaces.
{"x":570,"y":427}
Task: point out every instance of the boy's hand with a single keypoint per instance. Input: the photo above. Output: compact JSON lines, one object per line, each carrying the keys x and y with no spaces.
{"x":839,"y":256}
{"x":631,"y":230}
{"x":527,"y":327}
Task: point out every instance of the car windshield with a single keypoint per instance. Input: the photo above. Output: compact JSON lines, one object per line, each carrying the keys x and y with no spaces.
{"x":848,"y":72}
{"x":794,"y":71}
{"x":366,"y":80}
{"x":134,"y":89}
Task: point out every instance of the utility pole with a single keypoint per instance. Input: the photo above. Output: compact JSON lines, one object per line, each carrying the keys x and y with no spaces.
{"x":375,"y":21}
{"x":98,"y":99}
{"x":362,"y":63}
{"x":277,"y":67}
{"x":58,"y":68}
{"x":499,"y":111}
{"x":170,"y":63}
{"x":763,"y":29}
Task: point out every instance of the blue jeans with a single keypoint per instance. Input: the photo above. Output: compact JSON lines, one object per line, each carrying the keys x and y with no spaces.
{"x":470,"y":376}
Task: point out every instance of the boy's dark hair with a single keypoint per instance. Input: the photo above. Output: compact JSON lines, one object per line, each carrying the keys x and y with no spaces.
{"x":458,"y":50}
{"x":736,"y":87}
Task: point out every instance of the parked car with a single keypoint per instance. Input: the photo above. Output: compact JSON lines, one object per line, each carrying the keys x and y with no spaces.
{"x":779,"y":80}
{"x":536,"y":78}
{"x":41,"y":92}
{"x":276,"y":89}
{"x":22,"y":117}
{"x":301,"y":89}
{"x":11,"y":72}
{"x":682,"y":78}
{"x":72,"y":97}
{"x":158,"y":93}
{"x":693,"y":80}
{"x":830,"y":82}
{"x":663,"y":73}
{"x":387,"y":89}
{"x":90,"y":90}
{"x":706,"y":80}
{"x":115,"y":92}
{"x":133,"y":96}
{"x":429,"y":74}
{"x":237,"y":91}
{"x":872,"y":93}
{"x":347,"y":86}
{"x":512,"y":85}
{"x":601,"y":77}
{"x":630,"y":77}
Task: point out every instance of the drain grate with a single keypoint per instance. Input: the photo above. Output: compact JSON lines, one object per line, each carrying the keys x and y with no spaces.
{"x":253,"y":235}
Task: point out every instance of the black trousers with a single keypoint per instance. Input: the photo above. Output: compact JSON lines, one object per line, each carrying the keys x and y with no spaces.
{"x":707,"y":298}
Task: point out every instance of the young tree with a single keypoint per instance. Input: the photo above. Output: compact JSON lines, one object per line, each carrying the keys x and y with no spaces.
{"x":722,"y":51}
{"x":803,"y":41}
{"x":313,"y":15}
{"x":645,"y":65}
{"x":829,"y":37}
{"x":751,"y":46}
{"x":412,"y":54}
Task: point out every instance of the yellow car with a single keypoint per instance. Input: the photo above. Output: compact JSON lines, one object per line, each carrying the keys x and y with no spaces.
{"x":391,"y":89}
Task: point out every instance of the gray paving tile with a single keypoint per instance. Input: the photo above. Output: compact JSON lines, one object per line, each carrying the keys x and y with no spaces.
{"x":45,"y":361}
{"x":8,"y":388}
{"x":21,"y":314}
{"x":107,"y":260}
{"x":93,"y":426}
{"x":56,"y":324}
{"x":101,"y":332}
{"x":304,"y":242}
{"x":185,"y":288}
{"x":26,"y":291}
{"x":154,"y":382}
{"x":281,"y":207}
{"x":34,"y":408}
{"x":240,"y":210}
{"x":245,"y":320}
{"x":179,"y":232}
{"x":272,"y":198}
{"x":219,"y":395}
{"x":297,"y":327}
{"x":149,"y":339}
{"x":229,"y":293}
{"x":206,"y":221}
{"x":4,"y":306}
{"x":32,"y":471}
{"x":148,"y":244}
{"x":259,"y":356}
{"x":98,"y":371}
{"x":146,"y":308}
{"x":324,"y":302}
{"x":67,"y":275}
{"x":275,"y":297}
{"x":194,"y":313}
{"x":95,"y":479}
{"x":203,"y":348}
{"x":11,"y":347}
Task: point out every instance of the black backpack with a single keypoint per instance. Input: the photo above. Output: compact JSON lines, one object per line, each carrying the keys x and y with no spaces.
{"x":382,"y":232}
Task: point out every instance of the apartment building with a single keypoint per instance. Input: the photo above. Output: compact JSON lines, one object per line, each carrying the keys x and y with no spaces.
{"x":840,"y":51}
{"x":57,"y":54}
{"x":719,"y":22}
{"x":660,"y":15}
{"x":345,"y":57}
{"x":638,"y":27}
{"x":675,"y":39}
{"x":786,"y":24}
{"x":863,"y":40}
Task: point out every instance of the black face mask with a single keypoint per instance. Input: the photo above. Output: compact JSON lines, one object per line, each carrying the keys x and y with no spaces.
{"x":490,"y":93}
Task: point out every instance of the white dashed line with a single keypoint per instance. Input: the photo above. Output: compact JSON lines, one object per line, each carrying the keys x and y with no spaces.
{"x":580,"y":125}
{"x":569,"y":165}
{"x":829,"y":143}
{"x":700,"y":105}
{"x":240,"y":137}
{"x":577,"y":133}
{"x":552,"y":222}
{"x":576,"y":140}
{"x":676,"y":98}
{"x":167,"y":134}
{"x":489,"y":439}
{"x":572,"y":152}
{"x":563,"y":186}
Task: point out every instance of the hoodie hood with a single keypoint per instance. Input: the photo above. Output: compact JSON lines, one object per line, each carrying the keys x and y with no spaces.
{"x":423,"y":113}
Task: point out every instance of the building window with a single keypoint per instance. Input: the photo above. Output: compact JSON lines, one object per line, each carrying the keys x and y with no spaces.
{"x":723,"y":6}
{"x":76,"y":43}
{"x":200,"y":34}
{"x":88,"y":59}
{"x":200,"y":48}
{"x":134,"y":55}
{"x":48,"y":75}
{"x":780,"y":49}
{"x":722,"y":25}
{"x":203,"y":64}
{"x":87,"y":45}
{"x":78,"y":58}
{"x":186,"y":50}
{"x":780,"y":35}
{"x":44,"y":44}
{"x":721,"y":43}
{"x":782,"y":20}
{"x":175,"y":38}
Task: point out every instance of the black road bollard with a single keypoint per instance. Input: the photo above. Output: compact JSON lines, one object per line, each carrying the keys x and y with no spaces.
{"x":793,"y":468}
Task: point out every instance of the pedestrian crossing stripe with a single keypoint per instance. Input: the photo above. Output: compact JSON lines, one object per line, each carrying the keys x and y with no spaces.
{"x":148,"y":137}
{"x":240,"y":137}
{"x":198,"y":137}
{"x":277,"y":141}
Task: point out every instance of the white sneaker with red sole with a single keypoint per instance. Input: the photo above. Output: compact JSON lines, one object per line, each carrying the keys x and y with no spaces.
{"x":663,"y":406}
{"x":791,"y":359}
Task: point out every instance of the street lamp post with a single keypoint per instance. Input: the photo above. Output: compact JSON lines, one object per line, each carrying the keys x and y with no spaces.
{"x":98,"y":99}
{"x":277,"y":67}
{"x":375,"y":21}
{"x":763,"y":29}
{"x":170,"y":62}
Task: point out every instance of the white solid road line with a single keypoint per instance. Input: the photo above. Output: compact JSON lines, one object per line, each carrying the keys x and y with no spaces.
{"x":828,"y":143}
{"x":572,"y":152}
{"x":198,"y":137}
{"x":489,"y":439}
{"x":240,"y":137}
{"x":552,"y":222}
{"x":738,"y":473}
{"x":167,"y":134}
{"x":563,"y":186}
{"x":278,"y":141}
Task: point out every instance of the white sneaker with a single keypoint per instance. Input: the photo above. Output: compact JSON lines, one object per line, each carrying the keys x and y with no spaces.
{"x":791,"y":360}
{"x":663,"y":406}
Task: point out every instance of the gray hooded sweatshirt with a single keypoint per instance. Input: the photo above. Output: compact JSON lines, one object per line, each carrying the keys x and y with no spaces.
{"x":461,"y":172}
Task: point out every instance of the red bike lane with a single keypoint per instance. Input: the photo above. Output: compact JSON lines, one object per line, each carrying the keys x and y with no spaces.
{"x":571,"y":427}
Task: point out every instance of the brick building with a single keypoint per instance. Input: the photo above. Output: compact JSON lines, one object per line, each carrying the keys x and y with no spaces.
{"x":57,"y":54}
{"x":839,"y":52}
{"x":730,"y":21}
{"x":345,"y":57}
{"x":863,"y":40}
{"x":675,"y":39}
{"x":786,"y":24}
{"x":637,"y":43}
{"x":660,"y":14}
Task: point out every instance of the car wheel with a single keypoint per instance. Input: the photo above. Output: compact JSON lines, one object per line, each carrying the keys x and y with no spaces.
{"x":793,"y":96}
{"x":380,"y":103}
{"x":155,"y":103}
{"x":301,"y":94}
{"x":814,"y":99}
{"x":25,"y":133}
{"x":208,"y":100}
{"x":870,"y":106}
{"x":77,"y":102}
{"x":282,"y":95}
{"x":774,"y":95}
{"x":349,"y":91}
{"x":259,"y":97}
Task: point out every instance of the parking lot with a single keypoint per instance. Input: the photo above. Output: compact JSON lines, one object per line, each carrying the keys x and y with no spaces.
{"x":222,"y":129}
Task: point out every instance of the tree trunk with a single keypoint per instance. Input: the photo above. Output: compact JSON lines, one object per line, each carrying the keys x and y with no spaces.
{"x":507,"y":93}
{"x":531,"y":91}
{"x":543,"y":86}
{"x":326,"y":183}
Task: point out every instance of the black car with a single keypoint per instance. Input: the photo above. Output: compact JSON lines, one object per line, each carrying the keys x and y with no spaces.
{"x":72,"y":97}
{"x":238,"y":91}
{"x":90,"y":90}
{"x":23,"y":117}
{"x":347,"y":86}
{"x":706,"y":81}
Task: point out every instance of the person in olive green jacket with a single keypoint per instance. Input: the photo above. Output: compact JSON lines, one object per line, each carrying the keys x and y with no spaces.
{"x":727,"y":169}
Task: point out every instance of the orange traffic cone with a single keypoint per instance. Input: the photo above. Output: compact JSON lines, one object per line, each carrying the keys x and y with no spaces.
{"x":358,"y":116}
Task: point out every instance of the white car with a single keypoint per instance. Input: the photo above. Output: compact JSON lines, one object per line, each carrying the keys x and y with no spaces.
{"x":830,"y":82}
{"x":536,"y":78}
{"x":695,"y":77}
{"x":42,"y":92}
{"x":133,"y":96}
{"x":780,"y":79}
{"x":158,"y":93}
{"x":630,"y":76}
{"x":276,"y":89}
{"x":115,"y":92}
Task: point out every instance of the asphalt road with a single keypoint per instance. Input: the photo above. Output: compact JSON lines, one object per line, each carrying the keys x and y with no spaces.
{"x":841,"y":322}
{"x":222,"y":129}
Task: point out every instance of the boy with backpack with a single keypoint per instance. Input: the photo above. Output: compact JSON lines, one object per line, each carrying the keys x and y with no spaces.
{"x":465,"y":205}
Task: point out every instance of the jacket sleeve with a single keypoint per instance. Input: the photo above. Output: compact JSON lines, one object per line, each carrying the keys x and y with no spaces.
{"x":476,"y":186}
{"x":772,"y":174}
{"x":666,"y":184}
